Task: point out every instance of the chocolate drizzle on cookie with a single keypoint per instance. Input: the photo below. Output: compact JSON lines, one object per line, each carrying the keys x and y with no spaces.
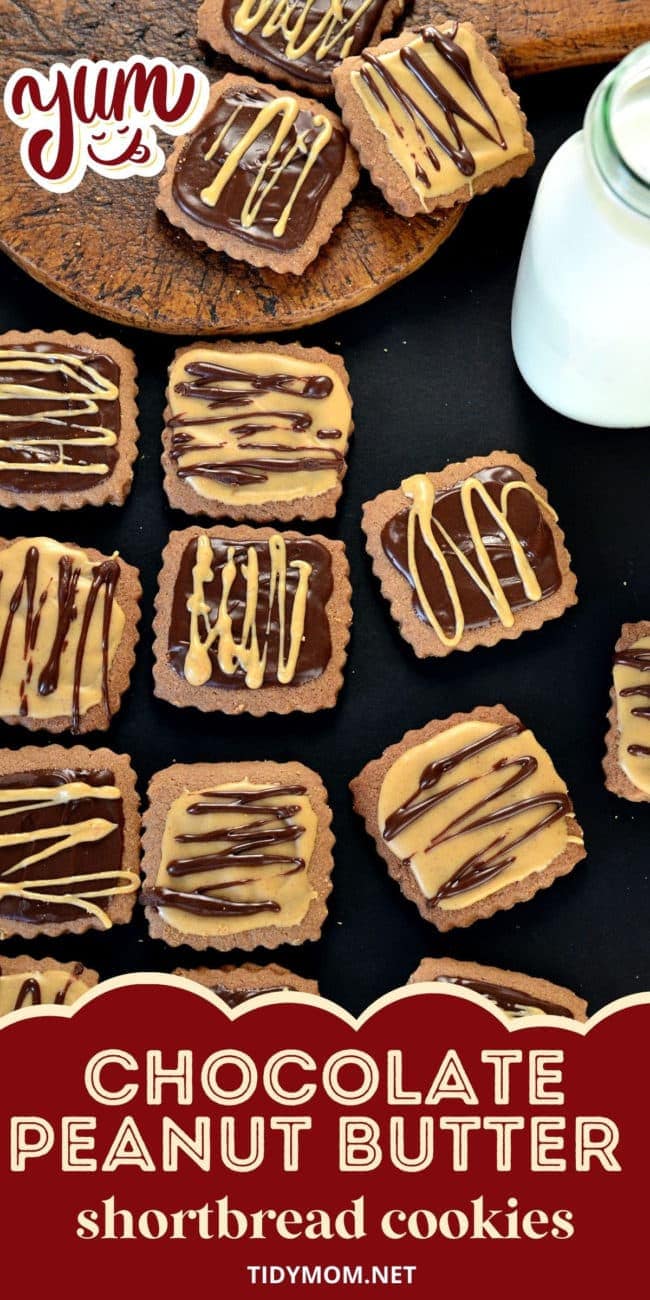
{"x":61,"y":845}
{"x":632,"y":686}
{"x":474,"y":554}
{"x":251,"y":614}
{"x":513,"y":1001}
{"x":304,"y":41}
{"x":51,"y":987}
{"x":259,"y":167}
{"x":59,"y":417}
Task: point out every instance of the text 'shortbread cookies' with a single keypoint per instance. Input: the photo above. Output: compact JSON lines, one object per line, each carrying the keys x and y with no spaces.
{"x":236,"y":985}
{"x":69,"y":840}
{"x":68,"y":630}
{"x":297,"y":41}
{"x":469,"y":815}
{"x":265,"y":176}
{"x":627,"y":761}
{"x":433,"y":118}
{"x":68,"y":431}
{"x":237,"y":855}
{"x":514,"y":994}
{"x":27,"y":983}
{"x":256,"y":431}
{"x":470,"y":555}
{"x":251,"y":620}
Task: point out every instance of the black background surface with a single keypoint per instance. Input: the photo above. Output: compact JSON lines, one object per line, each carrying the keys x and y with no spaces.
{"x":433,"y":380}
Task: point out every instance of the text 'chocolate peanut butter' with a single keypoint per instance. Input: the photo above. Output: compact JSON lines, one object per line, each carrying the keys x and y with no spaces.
{"x":259,"y":167}
{"x":236,"y":857}
{"x":59,"y":417}
{"x":474,"y":809}
{"x":251,"y":614}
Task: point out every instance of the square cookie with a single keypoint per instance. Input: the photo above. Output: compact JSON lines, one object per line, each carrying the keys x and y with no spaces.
{"x":236,"y":985}
{"x":68,"y":631}
{"x":68,"y":420}
{"x":433,"y":118}
{"x":469,"y":556}
{"x":251,"y":620}
{"x":469,"y":816}
{"x":256,"y":431}
{"x":297,"y":41}
{"x":627,"y":761}
{"x":515,"y":995}
{"x":265,"y":176}
{"x":237,"y":855}
{"x":27,"y":983}
{"x":69,"y":840}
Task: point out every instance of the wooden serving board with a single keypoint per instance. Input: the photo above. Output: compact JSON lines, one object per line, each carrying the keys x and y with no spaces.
{"x":107,"y":250}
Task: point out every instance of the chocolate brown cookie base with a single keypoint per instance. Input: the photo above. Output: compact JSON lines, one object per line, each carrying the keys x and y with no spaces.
{"x":237,"y":985}
{"x":118,"y":907}
{"x":399,"y":593}
{"x":616,"y":780}
{"x":512,"y":992}
{"x":183,"y":496}
{"x":116,"y":486}
{"x":167,"y":785}
{"x":366,"y":788}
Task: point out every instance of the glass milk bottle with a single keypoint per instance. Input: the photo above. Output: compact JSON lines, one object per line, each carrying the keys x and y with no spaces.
{"x":581,"y":311}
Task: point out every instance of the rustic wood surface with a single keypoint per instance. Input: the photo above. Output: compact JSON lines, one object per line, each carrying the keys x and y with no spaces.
{"x":106,"y":249}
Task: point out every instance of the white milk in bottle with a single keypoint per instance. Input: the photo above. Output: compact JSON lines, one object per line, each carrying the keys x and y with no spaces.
{"x":581,"y":311}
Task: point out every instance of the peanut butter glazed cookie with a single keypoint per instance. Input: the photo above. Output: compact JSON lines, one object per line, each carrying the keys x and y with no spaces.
{"x":514,"y":994}
{"x":68,"y":431}
{"x":68,"y":630}
{"x":256,"y":431}
{"x":297,"y":41}
{"x":27,"y":983}
{"x":237,"y":985}
{"x":251,"y":620}
{"x":69,"y":840}
{"x":470,"y":816}
{"x":433,"y":118}
{"x":237,"y":855}
{"x":265,"y":176}
{"x":469,"y":556}
{"x":627,"y":761}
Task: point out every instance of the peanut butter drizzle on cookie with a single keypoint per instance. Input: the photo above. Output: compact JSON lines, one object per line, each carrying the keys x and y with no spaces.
{"x":285,"y":108}
{"x":49,"y":842}
{"x":443,"y":114}
{"x":632,"y":685}
{"x":48,"y":418}
{"x":236,"y":857}
{"x":310,"y":28}
{"x":447,"y":812}
{"x":60,"y":626}
{"x":40,"y":988}
{"x":246,"y":653}
{"x":249,"y":427}
{"x":420,"y":491}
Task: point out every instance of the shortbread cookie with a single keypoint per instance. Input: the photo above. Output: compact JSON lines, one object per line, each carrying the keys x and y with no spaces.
{"x":69,"y":840}
{"x":237,"y":855}
{"x":68,"y":630}
{"x":265,"y":176}
{"x":256,"y":431}
{"x":433,"y":118}
{"x":68,"y":431}
{"x":27,"y":983}
{"x":627,"y":761}
{"x":250,"y":620}
{"x":469,"y":815}
{"x":297,"y":41}
{"x":469,"y":556}
{"x":238,"y":984}
{"x":514,"y":994}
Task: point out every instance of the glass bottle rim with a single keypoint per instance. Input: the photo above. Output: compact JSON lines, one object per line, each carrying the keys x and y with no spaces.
{"x":616,"y":170}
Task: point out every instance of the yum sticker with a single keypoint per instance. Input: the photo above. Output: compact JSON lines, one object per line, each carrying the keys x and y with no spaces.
{"x":103,"y":116}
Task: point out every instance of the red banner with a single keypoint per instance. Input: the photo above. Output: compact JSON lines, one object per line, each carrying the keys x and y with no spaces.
{"x":286,"y":1145}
